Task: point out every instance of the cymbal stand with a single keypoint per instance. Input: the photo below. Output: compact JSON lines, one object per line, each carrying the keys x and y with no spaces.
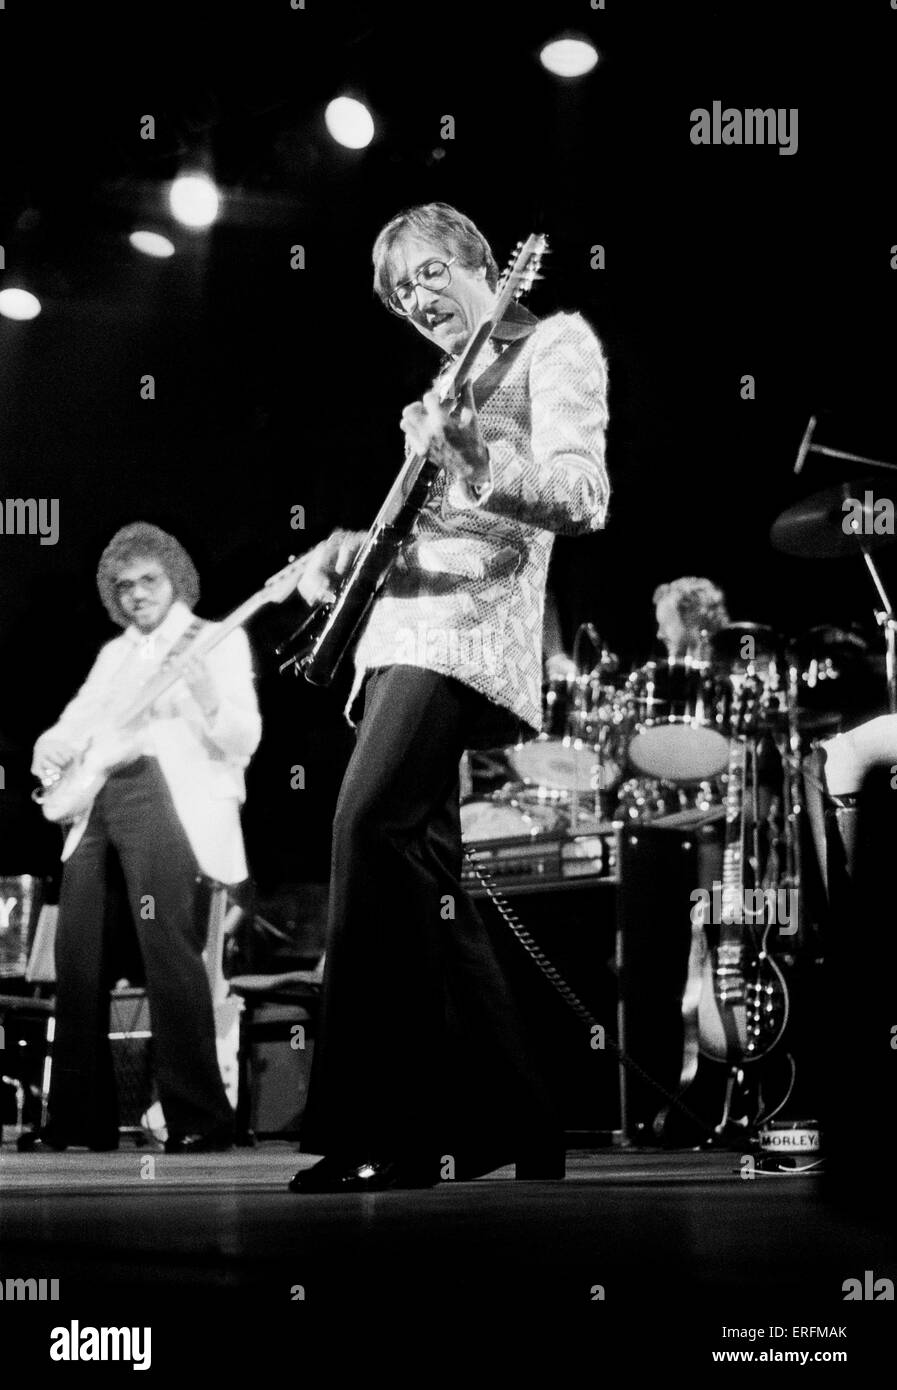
{"x":886,"y":620}
{"x":788,"y":744}
{"x":884,"y":617}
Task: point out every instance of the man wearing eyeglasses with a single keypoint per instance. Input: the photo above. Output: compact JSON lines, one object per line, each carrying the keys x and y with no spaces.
{"x":167,"y":814}
{"x":422,"y":1069}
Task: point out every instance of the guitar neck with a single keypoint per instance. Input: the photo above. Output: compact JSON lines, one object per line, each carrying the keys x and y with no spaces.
{"x":199,"y":648}
{"x":733,"y":848}
{"x":450,"y":384}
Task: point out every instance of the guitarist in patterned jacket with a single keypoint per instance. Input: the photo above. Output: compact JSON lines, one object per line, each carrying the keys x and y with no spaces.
{"x":169,"y":811}
{"x":421,"y":1069}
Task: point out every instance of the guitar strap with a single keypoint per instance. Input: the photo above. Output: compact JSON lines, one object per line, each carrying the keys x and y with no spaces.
{"x":174,"y":652}
{"x":513,"y":332}
{"x":488,"y":382}
{"x":182,"y":643}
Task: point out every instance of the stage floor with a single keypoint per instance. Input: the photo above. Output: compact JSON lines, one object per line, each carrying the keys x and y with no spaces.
{"x":633,"y":1240}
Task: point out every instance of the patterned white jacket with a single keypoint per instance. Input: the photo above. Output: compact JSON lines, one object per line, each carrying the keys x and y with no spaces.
{"x":467,"y":596}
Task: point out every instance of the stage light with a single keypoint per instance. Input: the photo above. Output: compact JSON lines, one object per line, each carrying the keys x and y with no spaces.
{"x":349,"y":122}
{"x":19,"y":304}
{"x":194,"y":200}
{"x":152,"y":244}
{"x":569,"y":57}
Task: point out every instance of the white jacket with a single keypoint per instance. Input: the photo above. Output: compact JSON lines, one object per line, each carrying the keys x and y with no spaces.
{"x":202,"y":761}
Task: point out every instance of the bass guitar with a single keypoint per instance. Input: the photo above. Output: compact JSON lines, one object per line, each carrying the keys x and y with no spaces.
{"x":332,"y":628}
{"x":67,"y":794}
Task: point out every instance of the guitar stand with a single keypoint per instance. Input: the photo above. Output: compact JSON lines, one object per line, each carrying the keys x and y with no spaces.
{"x":729,"y":1132}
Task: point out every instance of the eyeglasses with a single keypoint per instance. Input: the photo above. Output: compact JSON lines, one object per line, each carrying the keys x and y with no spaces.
{"x":435,"y":275}
{"x":125,"y":587}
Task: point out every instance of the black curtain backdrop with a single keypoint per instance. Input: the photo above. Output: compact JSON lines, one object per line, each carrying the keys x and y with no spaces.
{"x":279,"y":387}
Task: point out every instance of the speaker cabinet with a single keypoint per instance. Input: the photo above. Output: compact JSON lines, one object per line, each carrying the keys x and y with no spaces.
{"x":660,"y":868}
{"x":575,"y":926}
{"x":276,"y":1069}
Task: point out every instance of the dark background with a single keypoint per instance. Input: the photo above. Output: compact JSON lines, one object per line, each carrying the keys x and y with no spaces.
{"x":277,"y":387}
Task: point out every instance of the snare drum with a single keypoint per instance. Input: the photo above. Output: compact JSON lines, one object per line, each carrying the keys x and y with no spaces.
{"x":676,"y":724}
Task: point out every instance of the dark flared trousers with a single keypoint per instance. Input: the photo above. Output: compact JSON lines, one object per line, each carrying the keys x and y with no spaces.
{"x":134,"y":819}
{"x":420,"y":1047}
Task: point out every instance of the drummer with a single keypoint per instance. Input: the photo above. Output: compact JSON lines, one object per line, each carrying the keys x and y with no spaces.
{"x":689,"y":611}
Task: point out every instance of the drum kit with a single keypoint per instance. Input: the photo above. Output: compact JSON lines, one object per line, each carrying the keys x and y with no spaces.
{"x":637,"y":745}
{"x":654,"y":740}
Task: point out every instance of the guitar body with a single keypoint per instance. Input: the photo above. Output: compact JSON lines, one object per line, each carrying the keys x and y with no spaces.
{"x":743,"y":1006}
{"x":735,"y":1004}
{"x":73,"y":794}
{"x":334,"y":626}
{"x":66,"y":795}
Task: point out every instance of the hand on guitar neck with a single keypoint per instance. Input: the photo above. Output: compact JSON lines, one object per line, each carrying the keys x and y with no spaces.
{"x":449,"y":434}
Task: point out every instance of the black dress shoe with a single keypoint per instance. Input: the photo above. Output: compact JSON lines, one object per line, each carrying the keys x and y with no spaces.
{"x":217,"y":1141}
{"x":44,"y":1141}
{"x":376,"y":1175}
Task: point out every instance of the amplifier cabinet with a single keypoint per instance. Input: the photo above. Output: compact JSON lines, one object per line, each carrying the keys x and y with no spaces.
{"x":574,"y":924}
{"x":660,"y":868}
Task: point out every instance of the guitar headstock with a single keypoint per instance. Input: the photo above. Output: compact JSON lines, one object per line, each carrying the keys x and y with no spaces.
{"x":522,"y":270}
{"x":281,"y":585}
{"x":518,"y":277}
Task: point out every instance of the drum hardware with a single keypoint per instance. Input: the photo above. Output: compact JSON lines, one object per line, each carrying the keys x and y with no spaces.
{"x":576,"y":751}
{"x":643,"y":799}
{"x":814,"y":529}
{"x":608,"y":663}
{"x":808,"y":447}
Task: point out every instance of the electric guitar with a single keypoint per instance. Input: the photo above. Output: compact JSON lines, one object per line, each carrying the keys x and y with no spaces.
{"x":69,"y":793}
{"x":735,"y":1004}
{"x":743,"y":1006}
{"x":332,"y":627}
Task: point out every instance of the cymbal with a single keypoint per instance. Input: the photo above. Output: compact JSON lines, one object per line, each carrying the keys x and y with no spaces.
{"x":814,"y":527}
